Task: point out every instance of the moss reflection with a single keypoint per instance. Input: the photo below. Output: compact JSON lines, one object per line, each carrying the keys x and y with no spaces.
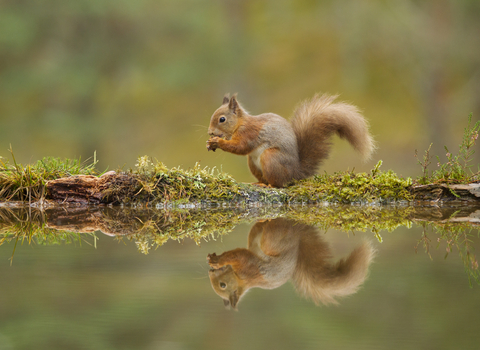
{"x":149,"y":228}
{"x":454,"y":235}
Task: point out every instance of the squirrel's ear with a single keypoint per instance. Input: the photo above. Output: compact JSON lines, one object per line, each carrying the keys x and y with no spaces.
{"x":233,"y":104}
{"x":226,"y":99}
{"x":226,"y":303}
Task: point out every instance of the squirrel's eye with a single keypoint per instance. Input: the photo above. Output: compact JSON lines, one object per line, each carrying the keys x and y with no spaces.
{"x":222,"y":119}
{"x":223,"y":285}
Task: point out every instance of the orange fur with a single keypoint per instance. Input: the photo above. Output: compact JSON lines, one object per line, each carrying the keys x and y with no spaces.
{"x":280,"y":250}
{"x":280,"y":152}
{"x":315,"y":120}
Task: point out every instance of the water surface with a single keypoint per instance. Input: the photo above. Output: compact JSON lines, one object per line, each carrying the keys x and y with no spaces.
{"x":148,"y":288}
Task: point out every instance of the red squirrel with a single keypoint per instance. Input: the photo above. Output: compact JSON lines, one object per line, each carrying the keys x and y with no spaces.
{"x":280,"y":250}
{"x":279,"y":151}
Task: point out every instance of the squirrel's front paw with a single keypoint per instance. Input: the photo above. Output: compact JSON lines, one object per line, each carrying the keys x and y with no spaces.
{"x":212,"y":143}
{"x":212,"y":260}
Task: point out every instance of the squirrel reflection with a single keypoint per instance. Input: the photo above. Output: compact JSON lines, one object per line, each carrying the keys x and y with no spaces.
{"x":281,"y":249}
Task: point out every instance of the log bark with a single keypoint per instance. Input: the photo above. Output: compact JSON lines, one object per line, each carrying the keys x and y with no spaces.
{"x":447,"y":193}
{"x":88,"y":189}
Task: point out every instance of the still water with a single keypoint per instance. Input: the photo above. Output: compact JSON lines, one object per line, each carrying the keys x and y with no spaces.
{"x":408,"y":281}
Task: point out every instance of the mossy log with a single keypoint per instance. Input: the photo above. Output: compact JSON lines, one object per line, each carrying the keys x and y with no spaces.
{"x":124,"y":188}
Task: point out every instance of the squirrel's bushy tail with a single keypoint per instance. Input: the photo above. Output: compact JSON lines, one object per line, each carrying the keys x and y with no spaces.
{"x":323,"y":282}
{"x":314,"y":121}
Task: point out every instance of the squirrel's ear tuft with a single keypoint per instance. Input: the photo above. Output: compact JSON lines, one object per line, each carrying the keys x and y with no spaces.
{"x":233,"y":104}
{"x":226,"y":99}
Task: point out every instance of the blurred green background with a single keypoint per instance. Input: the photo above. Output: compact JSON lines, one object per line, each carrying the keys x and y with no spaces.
{"x":114,"y":297}
{"x":132,"y":78}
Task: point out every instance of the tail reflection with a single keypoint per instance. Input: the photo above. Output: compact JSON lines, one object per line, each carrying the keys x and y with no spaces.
{"x":280,"y":250}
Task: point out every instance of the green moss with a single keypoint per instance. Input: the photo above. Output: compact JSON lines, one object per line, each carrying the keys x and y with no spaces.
{"x":27,"y":183}
{"x":349,"y":187}
{"x":160,"y":184}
